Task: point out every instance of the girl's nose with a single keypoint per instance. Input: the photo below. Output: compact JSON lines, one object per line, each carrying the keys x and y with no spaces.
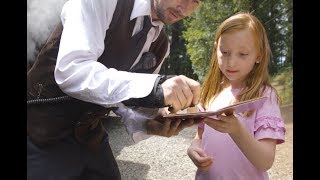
{"x":231,"y":61}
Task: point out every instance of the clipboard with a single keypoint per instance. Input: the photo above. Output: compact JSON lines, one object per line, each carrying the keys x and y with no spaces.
{"x":239,"y":107}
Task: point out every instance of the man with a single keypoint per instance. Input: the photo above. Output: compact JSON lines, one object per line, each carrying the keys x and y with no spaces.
{"x":104,"y":55}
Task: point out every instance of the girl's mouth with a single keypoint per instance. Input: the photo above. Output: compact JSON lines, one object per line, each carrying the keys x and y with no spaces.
{"x":229,"y":71}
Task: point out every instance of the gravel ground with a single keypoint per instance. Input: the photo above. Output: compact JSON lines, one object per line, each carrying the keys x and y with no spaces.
{"x":161,"y":158}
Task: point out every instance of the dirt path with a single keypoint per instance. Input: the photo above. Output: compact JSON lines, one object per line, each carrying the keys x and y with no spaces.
{"x":160,"y":158}
{"x":283,"y":165}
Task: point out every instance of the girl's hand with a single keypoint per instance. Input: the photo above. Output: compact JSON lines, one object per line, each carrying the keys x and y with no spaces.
{"x":199,"y":158}
{"x":224,"y":123}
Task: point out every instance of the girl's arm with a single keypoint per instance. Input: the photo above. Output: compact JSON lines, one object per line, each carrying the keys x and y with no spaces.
{"x":260,"y":153}
{"x":196,"y":142}
{"x":258,"y":148}
{"x":199,"y":133}
{"x":196,"y":153}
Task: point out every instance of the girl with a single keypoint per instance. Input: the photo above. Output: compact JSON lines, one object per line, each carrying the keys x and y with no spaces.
{"x":238,"y":146}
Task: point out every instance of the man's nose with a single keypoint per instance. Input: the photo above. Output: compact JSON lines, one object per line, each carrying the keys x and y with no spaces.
{"x":182,"y":8}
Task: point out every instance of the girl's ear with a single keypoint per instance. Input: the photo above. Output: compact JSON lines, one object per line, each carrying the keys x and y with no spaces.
{"x":215,"y":44}
{"x":258,"y":60}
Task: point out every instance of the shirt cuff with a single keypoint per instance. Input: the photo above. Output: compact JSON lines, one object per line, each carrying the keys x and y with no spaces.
{"x":134,"y":119}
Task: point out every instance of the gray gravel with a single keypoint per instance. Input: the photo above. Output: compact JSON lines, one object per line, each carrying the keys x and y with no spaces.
{"x":161,"y":158}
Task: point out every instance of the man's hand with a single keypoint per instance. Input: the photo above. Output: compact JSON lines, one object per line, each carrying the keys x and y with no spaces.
{"x":180,"y":92}
{"x":168,"y":127}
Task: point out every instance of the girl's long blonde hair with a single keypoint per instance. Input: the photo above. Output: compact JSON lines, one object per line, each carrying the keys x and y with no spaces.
{"x":257,"y":79}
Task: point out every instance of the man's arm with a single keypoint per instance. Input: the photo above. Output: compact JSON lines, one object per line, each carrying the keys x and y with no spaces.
{"x":77,"y":71}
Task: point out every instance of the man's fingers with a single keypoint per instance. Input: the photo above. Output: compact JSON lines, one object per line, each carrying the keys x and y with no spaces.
{"x":198,"y":120}
{"x":157,"y":127}
{"x":174,"y":127}
{"x":180,"y":100}
{"x":187,"y":123}
{"x":195,"y":88}
{"x":185,"y":97}
{"x":184,"y":124}
{"x":180,"y":92}
{"x":175,"y":123}
{"x":191,"y":90}
{"x":166,"y":128}
{"x":188,"y":96}
{"x":152,"y":127}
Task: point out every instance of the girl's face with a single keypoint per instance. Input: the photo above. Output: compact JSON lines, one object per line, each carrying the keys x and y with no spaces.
{"x":171,"y":11}
{"x":237,"y":55}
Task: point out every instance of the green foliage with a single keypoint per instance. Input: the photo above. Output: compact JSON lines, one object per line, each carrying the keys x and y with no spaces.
{"x":192,"y":38}
{"x":200,"y":28}
{"x":283,"y":82}
{"x":178,"y":61}
{"x":200,"y":31}
{"x":276,"y":15}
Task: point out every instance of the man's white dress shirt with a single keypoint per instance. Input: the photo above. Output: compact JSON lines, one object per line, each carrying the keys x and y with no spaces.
{"x":80,"y":75}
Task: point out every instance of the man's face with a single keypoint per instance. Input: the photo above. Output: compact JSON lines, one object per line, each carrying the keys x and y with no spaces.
{"x":171,"y":11}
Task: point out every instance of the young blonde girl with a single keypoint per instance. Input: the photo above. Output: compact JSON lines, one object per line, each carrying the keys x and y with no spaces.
{"x":243,"y":145}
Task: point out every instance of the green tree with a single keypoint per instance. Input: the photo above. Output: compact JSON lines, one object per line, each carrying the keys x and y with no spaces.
{"x":178,"y":61}
{"x":200,"y":28}
{"x":200,"y":31}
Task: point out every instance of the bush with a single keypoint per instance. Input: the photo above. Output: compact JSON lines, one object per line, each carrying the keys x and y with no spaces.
{"x":283,"y":82}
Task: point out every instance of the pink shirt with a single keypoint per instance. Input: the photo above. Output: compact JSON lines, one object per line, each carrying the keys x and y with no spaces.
{"x":228,"y":161}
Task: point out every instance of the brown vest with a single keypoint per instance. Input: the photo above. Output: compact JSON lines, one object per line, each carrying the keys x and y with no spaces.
{"x":49,"y":122}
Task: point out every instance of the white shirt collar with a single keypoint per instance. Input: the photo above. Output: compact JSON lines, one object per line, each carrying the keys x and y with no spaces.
{"x":141,"y":8}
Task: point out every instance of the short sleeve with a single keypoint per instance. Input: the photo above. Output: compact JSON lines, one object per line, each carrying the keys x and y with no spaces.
{"x":269,"y":122}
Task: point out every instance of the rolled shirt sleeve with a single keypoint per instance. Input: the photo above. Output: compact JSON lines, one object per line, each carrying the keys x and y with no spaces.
{"x":78,"y":73}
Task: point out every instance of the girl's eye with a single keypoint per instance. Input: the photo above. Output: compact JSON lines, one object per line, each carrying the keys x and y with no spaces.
{"x":243,"y":54}
{"x":224,"y":52}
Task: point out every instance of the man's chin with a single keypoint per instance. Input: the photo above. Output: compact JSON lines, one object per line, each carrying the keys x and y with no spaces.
{"x":168,"y":22}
